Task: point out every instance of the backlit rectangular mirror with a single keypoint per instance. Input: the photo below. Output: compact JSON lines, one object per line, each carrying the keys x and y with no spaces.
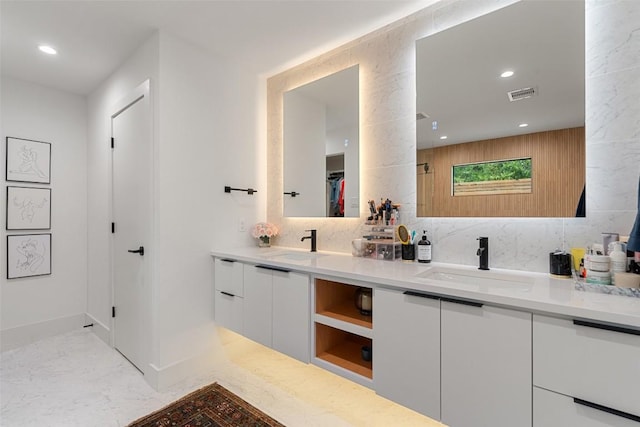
{"x":506,"y":86}
{"x":321,"y":147}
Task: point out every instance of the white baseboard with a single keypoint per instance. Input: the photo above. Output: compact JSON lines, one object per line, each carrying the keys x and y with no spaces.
{"x":163,"y":378}
{"x":103,"y":332}
{"x":22,"y":335}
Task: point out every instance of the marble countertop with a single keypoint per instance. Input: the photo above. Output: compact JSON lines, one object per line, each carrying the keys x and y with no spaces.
{"x":536,"y":292}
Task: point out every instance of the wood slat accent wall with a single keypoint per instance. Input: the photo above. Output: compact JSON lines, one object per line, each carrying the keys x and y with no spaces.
{"x":558,"y":162}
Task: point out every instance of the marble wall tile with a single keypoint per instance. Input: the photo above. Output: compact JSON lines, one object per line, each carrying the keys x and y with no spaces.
{"x":517,"y":243}
{"x":613,"y":168}
{"x":390,"y":98}
{"x":579,"y":232}
{"x":393,"y":143}
{"x":607,"y":50}
{"x":612,"y":107}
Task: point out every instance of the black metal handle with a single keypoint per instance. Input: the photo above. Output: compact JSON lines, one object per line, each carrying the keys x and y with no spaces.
{"x":140,"y":251}
{"x":270,"y":267}
{"x":612,"y":328}
{"x":292,"y":193}
{"x":227,"y":260}
{"x":607,"y":409}
{"x":420,"y":295}
{"x":462,"y":302}
{"x":227,"y":294}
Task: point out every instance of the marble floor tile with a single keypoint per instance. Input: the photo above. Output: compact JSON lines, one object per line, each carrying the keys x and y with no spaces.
{"x":75,"y":379}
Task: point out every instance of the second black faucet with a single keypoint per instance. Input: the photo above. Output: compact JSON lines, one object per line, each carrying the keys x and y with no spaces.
{"x":483,"y":253}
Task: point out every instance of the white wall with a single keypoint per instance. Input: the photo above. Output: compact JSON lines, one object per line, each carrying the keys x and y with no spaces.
{"x":205,"y":131}
{"x":207,"y":135}
{"x":388,"y":139}
{"x":35,"y":307}
{"x":142,"y":65}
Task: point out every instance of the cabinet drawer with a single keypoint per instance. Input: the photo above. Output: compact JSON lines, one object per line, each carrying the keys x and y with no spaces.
{"x":556,"y":410}
{"x":229,"y":276}
{"x":228,"y":311}
{"x":587,"y":362}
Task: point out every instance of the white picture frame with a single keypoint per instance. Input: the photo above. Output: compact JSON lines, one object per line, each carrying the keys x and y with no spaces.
{"x":28,"y":208}
{"x":28,"y":255}
{"x":28,"y":161}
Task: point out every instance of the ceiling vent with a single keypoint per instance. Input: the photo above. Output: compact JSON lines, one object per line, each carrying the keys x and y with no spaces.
{"x":518,"y":94}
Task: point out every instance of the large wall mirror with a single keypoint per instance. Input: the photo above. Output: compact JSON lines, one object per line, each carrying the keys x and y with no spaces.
{"x":501,"y":113}
{"x":321,"y":147}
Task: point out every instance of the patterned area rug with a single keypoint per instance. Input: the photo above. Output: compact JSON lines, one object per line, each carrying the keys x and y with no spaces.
{"x":211,"y":406}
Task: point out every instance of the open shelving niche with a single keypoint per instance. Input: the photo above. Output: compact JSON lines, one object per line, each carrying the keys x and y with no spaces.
{"x":341,"y":331}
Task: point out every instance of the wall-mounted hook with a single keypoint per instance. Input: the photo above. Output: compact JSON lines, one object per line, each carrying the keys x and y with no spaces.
{"x":292,"y":193}
{"x":249,"y":191}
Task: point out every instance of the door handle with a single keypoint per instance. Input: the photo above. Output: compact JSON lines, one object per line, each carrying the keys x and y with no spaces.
{"x":140,"y":251}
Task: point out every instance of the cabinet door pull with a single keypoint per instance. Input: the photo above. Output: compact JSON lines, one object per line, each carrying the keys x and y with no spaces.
{"x":227,"y":260}
{"x":270,"y":267}
{"x":607,"y":410}
{"x":607,"y":327}
{"x":463,"y":302}
{"x":227,"y":294}
{"x":420,"y":295}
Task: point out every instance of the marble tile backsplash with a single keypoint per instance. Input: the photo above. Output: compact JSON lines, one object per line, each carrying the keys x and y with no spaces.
{"x":388,"y":90}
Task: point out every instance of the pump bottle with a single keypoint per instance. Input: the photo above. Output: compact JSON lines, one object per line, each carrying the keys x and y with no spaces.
{"x":424,"y":248}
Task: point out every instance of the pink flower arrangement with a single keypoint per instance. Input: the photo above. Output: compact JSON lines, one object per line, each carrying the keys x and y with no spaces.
{"x":264,"y":231}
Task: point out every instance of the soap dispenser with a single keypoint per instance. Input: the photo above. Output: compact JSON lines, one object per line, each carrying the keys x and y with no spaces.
{"x":424,"y":248}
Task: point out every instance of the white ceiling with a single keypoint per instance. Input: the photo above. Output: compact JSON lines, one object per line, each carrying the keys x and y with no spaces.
{"x":94,"y":37}
{"x":459,"y":83}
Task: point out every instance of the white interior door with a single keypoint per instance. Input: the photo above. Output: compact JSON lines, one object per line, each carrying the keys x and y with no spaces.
{"x":131,"y":154}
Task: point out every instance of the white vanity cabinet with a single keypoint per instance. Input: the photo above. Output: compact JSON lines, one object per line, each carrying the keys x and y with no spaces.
{"x":258,"y":303}
{"x":267,"y":304}
{"x":228,"y":298}
{"x":486,"y":365}
{"x":292,"y":315}
{"x":406,"y":362}
{"x":590,"y":370}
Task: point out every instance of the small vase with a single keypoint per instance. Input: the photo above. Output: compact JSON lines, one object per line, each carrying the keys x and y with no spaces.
{"x":264,"y":241}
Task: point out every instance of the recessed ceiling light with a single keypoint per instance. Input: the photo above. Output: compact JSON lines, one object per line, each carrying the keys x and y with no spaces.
{"x":523,"y":125}
{"x":507,"y":73}
{"x":443,"y":137}
{"x":47,"y":49}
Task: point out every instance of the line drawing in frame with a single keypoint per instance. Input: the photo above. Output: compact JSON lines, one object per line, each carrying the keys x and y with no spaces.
{"x":28,"y":255}
{"x":28,"y":160}
{"x":28,"y":208}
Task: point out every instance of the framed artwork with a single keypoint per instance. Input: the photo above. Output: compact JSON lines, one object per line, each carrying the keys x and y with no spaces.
{"x":28,"y":208}
{"x":28,"y":161}
{"x":28,"y":255}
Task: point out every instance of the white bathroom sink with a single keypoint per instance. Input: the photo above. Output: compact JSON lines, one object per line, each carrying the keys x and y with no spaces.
{"x":295,"y":255}
{"x":479,"y":278}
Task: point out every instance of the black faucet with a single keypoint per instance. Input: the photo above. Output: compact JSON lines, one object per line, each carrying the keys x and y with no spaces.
{"x":313,"y":239}
{"x":483,"y":253}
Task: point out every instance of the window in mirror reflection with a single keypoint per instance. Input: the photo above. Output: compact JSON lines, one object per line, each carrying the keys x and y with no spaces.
{"x":497,"y":177}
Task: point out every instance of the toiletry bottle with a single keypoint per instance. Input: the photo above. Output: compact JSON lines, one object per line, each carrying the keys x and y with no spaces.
{"x":618,"y":259}
{"x":424,"y":248}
